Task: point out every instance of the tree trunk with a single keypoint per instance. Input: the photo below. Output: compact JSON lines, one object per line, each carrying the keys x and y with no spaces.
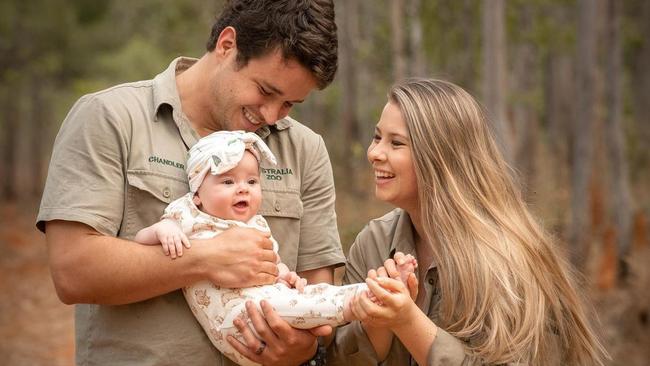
{"x":524,"y":116}
{"x":397,"y":39}
{"x":641,"y":88}
{"x":9,"y":132}
{"x":583,"y":132}
{"x":349,"y":83}
{"x":38,"y":127}
{"x":468,"y":75}
{"x":621,"y":212}
{"x":559,"y":91}
{"x":417,"y":67}
{"x":494,"y":75}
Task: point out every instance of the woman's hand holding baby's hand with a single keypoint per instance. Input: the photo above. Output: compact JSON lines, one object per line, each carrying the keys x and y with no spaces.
{"x":393,"y":290}
{"x":395,"y":304}
{"x":171,"y":238}
{"x":401,"y":268}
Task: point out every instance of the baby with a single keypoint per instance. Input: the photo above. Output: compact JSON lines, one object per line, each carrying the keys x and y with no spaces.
{"x":225,"y":191}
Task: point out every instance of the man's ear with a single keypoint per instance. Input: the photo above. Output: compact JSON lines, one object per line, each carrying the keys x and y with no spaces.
{"x":196,"y":200}
{"x":227,"y":41}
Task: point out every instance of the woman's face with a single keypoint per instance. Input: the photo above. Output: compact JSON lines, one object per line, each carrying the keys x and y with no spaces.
{"x":390,"y":156}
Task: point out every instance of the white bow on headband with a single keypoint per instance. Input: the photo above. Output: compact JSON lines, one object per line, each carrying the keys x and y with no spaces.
{"x":221,"y":151}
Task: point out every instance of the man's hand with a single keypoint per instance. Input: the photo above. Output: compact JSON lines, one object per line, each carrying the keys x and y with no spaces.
{"x":240,"y":257}
{"x":282,"y":344}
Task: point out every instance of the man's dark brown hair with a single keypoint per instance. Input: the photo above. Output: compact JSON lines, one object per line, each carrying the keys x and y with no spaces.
{"x":303,"y":30}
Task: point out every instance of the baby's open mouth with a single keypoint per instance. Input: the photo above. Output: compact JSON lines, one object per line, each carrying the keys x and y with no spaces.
{"x":241,"y":204}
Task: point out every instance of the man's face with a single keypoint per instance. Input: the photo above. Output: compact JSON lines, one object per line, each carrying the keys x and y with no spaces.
{"x":233,"y":195}
{"x":257,"y":94}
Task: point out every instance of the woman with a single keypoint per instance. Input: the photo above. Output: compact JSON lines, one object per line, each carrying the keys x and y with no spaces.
{"x":488,"y":273}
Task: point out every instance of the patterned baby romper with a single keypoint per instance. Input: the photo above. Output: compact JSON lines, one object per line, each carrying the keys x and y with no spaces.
{"x":216,"y":308}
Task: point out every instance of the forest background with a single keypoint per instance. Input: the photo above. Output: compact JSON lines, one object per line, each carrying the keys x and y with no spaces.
{"x":567,"y":83}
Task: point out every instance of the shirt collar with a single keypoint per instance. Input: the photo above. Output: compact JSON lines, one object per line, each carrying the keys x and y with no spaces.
{"x":164,"y":86}
{"x":403,"y":238}
{"x":280,"y":125}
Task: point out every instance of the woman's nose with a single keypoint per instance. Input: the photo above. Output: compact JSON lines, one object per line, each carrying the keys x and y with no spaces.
{"x":375,"y":152}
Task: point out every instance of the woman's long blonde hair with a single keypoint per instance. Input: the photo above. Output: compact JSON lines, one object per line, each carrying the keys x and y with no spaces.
{"x":504,"y":289}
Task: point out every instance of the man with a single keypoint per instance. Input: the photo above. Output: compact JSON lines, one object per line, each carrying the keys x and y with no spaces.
{"x":119,"y":159}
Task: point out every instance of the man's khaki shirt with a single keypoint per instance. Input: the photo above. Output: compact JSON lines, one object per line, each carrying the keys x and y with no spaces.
{"x":378,"y":241}
{"x":117,"y":162}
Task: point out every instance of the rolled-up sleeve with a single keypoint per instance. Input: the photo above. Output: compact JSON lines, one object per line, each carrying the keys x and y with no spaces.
{"x":85,"y":181}
{"x":447,"y":350}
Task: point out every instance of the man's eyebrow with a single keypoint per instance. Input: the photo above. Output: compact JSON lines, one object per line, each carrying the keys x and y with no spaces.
{"x":277,"y":91}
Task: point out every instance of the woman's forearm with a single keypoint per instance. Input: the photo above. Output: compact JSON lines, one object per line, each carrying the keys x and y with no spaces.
{"x":381,"y":340}
{"x":416,"y":333}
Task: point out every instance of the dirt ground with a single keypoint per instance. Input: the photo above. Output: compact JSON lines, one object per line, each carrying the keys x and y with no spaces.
{"x":37,"y":329}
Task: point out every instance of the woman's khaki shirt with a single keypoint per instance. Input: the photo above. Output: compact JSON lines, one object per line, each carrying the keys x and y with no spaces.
{"x":378,"y":241}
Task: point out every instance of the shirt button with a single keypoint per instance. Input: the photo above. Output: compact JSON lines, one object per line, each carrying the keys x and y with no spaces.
{"x":277,"y":206}
{"x":430,"y":281}
{"x":167,"y":192}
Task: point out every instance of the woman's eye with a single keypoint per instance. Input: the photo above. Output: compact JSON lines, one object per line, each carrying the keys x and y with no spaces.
{"x":397,"y":143}
{"x":376,"y":137}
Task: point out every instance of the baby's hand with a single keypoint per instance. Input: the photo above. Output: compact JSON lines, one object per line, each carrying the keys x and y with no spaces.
{"x":290,"y":278}
{"x":171,"y":238}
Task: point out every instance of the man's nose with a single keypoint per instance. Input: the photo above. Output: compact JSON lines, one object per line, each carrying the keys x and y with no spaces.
{"x":272,"y":113}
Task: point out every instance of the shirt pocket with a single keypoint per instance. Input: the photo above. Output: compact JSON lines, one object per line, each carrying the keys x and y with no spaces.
{"x":283,"y":211}
{"x":148,"y":193}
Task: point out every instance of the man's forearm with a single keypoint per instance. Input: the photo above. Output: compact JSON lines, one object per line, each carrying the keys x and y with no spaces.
{"x":91,"y":268}
{"x":88,"y":267}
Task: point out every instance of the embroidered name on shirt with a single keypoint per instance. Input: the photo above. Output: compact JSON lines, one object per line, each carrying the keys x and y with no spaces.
{"x":175,"y":164}
{"x":276,"y":174}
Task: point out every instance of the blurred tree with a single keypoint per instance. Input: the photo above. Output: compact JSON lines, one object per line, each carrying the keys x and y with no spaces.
{"x":494,"y":75}
{"x":621,"y":213}
{"x":637,"y":29}
{"x":523,"y":86}
{"x":417,"y":66}
{"x":398,"y":40}
{"x":559,"y":84}
{"x":348,"y":36}
{"x":583,"y":132}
